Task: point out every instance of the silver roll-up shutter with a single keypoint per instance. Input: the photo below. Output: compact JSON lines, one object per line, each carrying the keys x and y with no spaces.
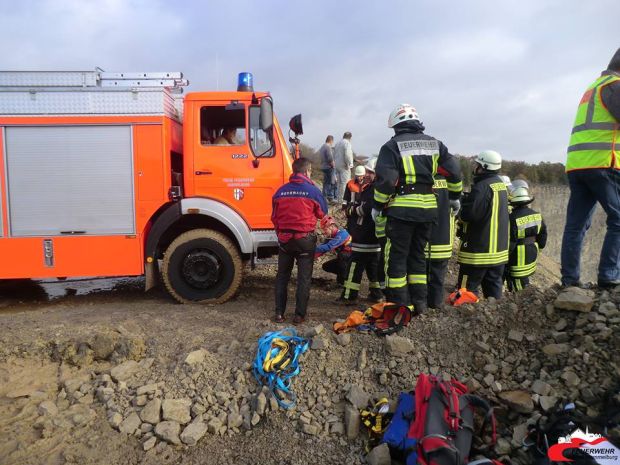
{"x":70,"y":180}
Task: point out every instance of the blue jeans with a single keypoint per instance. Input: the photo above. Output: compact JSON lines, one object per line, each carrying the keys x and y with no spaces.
{"x":587,"y":187}
{"x":329,"y":187}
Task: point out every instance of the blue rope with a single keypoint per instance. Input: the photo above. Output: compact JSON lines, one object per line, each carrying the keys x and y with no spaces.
{"x":279,"y":380}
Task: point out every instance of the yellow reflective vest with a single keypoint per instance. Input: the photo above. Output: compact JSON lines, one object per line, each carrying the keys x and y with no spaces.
{"x":595,"y":131}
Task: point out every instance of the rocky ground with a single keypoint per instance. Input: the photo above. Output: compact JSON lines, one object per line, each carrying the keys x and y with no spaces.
{"x":117,"y":376}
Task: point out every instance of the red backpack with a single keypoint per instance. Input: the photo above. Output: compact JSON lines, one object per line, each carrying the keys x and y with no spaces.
{"x":443,"y":427}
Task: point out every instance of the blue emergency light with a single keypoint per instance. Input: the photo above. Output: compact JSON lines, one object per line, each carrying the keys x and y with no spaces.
{"x":245,"y":83}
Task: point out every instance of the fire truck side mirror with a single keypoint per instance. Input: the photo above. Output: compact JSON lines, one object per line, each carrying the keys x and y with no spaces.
{"x":266,"y":114}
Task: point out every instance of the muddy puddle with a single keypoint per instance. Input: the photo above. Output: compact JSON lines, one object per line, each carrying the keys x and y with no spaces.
{"x":50,"y":290}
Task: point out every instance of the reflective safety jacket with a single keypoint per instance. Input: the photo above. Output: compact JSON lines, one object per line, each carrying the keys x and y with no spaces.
{"x":596,"y":132}
{"x":442,"y":235}
{"x":486,"y":230}
{"x":359,"y":200}
{"x":405,"y":172}
{"x":528,"y":234}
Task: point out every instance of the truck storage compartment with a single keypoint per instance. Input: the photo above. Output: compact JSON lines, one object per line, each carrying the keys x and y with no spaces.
{"x":69,"y":180}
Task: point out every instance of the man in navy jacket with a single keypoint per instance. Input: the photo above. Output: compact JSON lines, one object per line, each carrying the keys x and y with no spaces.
{"x":297,"y":206}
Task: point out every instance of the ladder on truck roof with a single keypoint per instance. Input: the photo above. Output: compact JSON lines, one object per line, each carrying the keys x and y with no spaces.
{"x":97,"y":78}
{"x":96,"y":92}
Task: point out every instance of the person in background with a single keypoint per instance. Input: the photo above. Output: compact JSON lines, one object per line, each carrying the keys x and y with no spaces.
{"x":528,"y":235}
{"x":403,"y":193}
{"x":326,"y":153}
{"x":339,"y":241}
{"x":227,"y":137}
{"x":343,"y":159}
{"x":354,"y":188}
{"x":441,"y":242}
{"x":593,"y":169}
{"x":297,"y":206}
{"x":364,"y":246}
{"x":483,"y":252}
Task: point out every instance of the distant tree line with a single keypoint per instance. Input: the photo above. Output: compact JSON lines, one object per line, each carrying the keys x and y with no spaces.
{"x":540,"y":173}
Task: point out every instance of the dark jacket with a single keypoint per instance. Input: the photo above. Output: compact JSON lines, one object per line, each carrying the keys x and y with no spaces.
{"x":528,"y":235}
{"x":297,"y":206}
{"x":484,"y":213}
{"x":405,"y":171}
{"x":442,"y":234}
{"x":360,"y":225}
{"x":327,"y":156}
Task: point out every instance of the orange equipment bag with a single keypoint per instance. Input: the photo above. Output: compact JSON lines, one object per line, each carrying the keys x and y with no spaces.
{"x":462,"y":296}
{"x":355,"y":319}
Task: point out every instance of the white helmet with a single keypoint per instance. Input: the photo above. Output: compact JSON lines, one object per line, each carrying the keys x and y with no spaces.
{"x":520,"y":183}
{"x":507,"y":181}
{"x":403,"y":112}
{"x":359,"y":171}
{"x":490,"y":160}
{"x":370,"y":164}
{"x":520,"y":194}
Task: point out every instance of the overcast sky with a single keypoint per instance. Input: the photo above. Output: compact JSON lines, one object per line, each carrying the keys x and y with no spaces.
{"x":505,"y":75}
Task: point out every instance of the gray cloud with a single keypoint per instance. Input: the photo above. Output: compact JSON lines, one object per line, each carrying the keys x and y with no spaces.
{"x":504,"y":75}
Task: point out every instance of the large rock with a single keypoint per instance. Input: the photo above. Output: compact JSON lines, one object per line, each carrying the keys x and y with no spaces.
{"x":147,"y":389}
{"x":196,"y":357}
{"x":574,"y":298}
{"x":168,"y":431}
{"x":130,"y":424}
{"x":47,"y":407}
{"x":103,"y":346}
{"x":234,"y":420}
{"x":193,"y":432}
{"x":398,"y":344}
{"x":344,"y":339}
{"x":358,"y":397}
{"x":177,"y":410}
{"x":541,"y":388}
{"x":515,"y":335}
{"x":520,"y":401}
{"x":260,"y":403}
{"x":555,"y":349}
{"x":547,"y":402}
{"x":351,"y":421}
{"x":125,"y":370}
{"x":151,"y":413}
{"x":380,"y":455}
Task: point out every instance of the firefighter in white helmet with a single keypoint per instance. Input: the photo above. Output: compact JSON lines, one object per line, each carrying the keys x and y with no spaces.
{"x":406,"y":168}
{"x":483,"y":252}
{"x":528,"y":235}
{"x":365,"y":247}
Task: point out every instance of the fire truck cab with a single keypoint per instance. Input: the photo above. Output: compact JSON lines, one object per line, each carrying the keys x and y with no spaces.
{"x":111,"y":174}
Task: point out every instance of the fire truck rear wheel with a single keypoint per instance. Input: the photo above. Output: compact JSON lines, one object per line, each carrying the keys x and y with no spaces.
{"x":202,"y":266}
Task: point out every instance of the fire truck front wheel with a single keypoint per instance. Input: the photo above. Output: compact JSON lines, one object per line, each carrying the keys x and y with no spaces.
{"x":202,"y":266}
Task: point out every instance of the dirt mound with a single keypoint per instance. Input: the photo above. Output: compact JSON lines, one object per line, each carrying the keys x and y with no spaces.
{"x":115,"y":382}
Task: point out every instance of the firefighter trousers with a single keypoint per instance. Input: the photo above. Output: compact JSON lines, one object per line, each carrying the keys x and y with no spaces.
{"x":436,"y":290}
{"x":517,"y":284}
{"x":490,"y":277}
{"x":360,"y":262}
{"x":382,"y":242}
{"x":405,"y":262}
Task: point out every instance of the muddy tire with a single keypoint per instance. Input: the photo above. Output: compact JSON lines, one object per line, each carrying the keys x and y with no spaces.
{"x":202,"y":266}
